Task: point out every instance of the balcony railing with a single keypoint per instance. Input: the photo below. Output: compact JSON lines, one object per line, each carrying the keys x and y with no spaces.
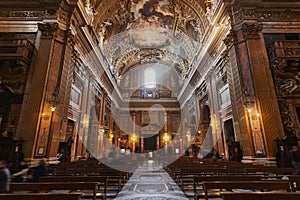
{"x":16,"y":49}
{"x":289,"y":49}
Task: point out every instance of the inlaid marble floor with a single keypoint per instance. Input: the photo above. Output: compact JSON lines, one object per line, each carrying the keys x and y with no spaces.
{"x":151,"y":182}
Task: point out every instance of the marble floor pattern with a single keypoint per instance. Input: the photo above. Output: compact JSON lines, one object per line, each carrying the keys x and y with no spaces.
{"x":151,"y":182}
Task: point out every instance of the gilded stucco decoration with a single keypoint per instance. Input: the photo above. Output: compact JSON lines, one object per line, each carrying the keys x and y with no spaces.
{"x":127,"y":29}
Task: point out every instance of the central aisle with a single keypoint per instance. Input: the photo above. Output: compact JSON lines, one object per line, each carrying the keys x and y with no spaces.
{"x":151,"y":182}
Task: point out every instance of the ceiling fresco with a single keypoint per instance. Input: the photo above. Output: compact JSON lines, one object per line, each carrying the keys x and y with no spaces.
{"x":148,"y":13}
{"x":136,"y":32}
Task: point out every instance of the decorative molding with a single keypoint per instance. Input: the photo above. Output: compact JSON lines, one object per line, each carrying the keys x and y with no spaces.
{"x":230,"y":39}
{"x":284,"y":49}
{"x":252,"y":30}
{"x":71,"y":39}
{"x":29,"y":14}
{"x":286,"y":78}
{"x":266,"y":15}
{"x":48,"y":29}
{"x":288,"y":124}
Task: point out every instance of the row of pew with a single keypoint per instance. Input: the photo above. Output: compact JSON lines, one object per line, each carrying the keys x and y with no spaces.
{"x":201,"y":178}
{"x":70,"y":181}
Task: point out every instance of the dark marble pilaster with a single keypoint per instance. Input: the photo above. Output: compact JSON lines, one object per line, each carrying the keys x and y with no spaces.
{"x":38,"y":116}
{"x":259,"y":98}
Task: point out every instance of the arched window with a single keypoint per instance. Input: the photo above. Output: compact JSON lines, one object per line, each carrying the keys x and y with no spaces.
{"x":150,"y":77}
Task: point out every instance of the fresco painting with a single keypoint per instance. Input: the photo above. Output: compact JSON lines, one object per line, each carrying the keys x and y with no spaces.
{"x":148,"y":13}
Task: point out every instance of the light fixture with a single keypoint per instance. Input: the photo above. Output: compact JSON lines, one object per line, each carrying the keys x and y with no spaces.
{"x":52,"y":108}
{"x":133,"y":137}
{"x":166,"y":137}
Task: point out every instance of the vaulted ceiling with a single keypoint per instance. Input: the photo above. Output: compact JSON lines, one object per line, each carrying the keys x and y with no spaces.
{"x":138,"y":32}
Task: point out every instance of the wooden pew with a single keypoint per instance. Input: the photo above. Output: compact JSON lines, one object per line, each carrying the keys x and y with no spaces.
{"x":41,"y":196}
{"x":269,"y":170}
{"x":49,"y":186}
{"x":198,"y":180}
{"x":246,"y":185}
{"x":101,"y":180}
{"x":107,"y":184}
{"x":260,"y":196}
{"x":190,"y":183}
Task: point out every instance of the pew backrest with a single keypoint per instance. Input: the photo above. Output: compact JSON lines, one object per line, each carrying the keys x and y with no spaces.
{"x":49,"y":186}
{"x":260,"y":196}
{"x":41,"y":196}
{"x":246,"y":185}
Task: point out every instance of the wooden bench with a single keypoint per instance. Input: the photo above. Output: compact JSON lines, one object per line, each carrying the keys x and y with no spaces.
{"x":49,"y":186}
{"x":41,"y":196}
{"x":269,"y":170}
{"x":245,"y":185}
{"x":260,"y":196}
{"x":198,"y":180}
{"x":101,"y":180}
{"x":107,"y":184}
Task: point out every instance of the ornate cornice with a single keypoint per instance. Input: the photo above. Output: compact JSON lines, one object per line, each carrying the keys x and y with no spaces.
{"x":48,"y":29}
{"x":252,"y":30}
{"x":266,"y":15}
{"x":29,"y":14}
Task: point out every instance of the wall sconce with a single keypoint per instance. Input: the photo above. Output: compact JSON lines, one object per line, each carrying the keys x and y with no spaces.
{"x":52,"y":108}
{"x":133,"y":138}
{"x":166,"y":137}
{"x":101,"y":130}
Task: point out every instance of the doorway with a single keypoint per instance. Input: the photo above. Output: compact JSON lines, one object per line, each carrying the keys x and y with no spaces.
{"x":229,"y":130}
{"x":150,"y":143}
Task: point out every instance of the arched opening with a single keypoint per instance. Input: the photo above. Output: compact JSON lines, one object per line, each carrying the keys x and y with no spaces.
{"x":150,"y":77}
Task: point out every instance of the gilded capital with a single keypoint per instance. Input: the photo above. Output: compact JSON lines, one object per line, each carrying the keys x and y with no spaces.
{"x":48,"y":29}
{"x":252,"y":30}
{"x":230,"y":39}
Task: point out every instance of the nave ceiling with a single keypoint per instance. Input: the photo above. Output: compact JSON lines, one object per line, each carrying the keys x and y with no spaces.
{"x":134,"y":33}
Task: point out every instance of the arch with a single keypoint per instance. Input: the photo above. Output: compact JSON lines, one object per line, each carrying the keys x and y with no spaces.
{"x":205,"y":113}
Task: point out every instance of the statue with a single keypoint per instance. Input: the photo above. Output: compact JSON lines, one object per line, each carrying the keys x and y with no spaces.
{"x":103,"y":31}
{"x":90,"y":12}
{"x":291,"y":84}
